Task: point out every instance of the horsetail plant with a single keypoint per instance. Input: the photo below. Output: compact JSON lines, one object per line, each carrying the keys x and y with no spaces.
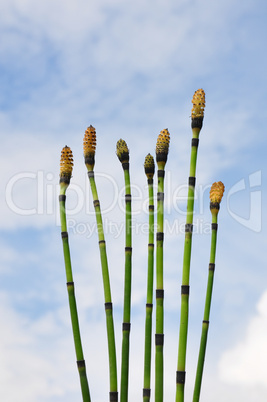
{"x":89,"y":147}
{"x":162,"y":149}
{"x":149,"y":166}
{"x":216,"y":194}
{"x":123,"y":155}
{"x":66,"y":166}
{"x":197,"y":116}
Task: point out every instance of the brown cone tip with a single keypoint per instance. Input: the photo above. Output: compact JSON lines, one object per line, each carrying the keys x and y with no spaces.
{"x":216,"y":192}
{"x":149,"y":166}
{"x":122,"y":151}
{"x":89,"y":142}
{"x":66,"y":162}
{"x":198,"y":104}
{"x":163,"y":142}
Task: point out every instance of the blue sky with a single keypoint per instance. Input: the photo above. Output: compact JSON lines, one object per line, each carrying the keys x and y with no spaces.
{"x":130,"y":69}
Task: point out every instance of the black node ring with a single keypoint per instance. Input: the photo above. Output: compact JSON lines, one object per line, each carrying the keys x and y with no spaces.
{"x":159,"y":339}
{"x":113,"y":396}
{"x":180,"y":377}
{"x":125,"y":165}
{"x":188,"y":228}
{"x":197,"y":122}
{"x":192,"y":181}
{"x":146,"y":392}
{"x":108,"y":306}
{"x":126,"y":326}
{"x":215,"y":205}
{"x":161,"y":173}
{"x":159,"y":293}
{"x":214,"y":226}
{"x":195,"y":142}
{"x":90,"y":174}
{"x":160,"y":236}
{"x":160,"y":197}
{"x":185,"y":289}
{"x":211,"y":266}
{"x":128,"y":198}
{"x":80,"y":363}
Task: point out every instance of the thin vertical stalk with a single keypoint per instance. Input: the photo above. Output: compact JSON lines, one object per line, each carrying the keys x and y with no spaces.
{"x":89,"y":154}
{"x":197,"y":120}
{"x":159,"y":294}
{"x":149,"y":170}
{"x":65,"y":175}
{"x":217,"y":190}
{"x":162,"y":149}
{"x":123,"y":155}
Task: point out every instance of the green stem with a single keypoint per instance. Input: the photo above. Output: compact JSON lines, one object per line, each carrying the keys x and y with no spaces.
{"x":107,"y":292}
{"x":205,"y":324}
{"x":180,"y":374}
{"x":149,"y":300}
{"x":72,"y":299}
{"x":127,"y":288}
{"x":160,"y":289}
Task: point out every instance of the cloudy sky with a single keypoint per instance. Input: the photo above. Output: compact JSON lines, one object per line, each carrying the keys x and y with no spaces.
{"x":130,"y":69}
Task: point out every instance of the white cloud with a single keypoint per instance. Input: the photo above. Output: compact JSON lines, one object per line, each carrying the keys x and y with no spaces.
{"x":30,"y":363}
{"x":245,"y":363}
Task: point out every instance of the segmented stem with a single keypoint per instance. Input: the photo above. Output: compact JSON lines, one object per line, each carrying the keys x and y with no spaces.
{"x":123,"y":155}
{"x":64,"y":182}
{"x":149,"y":169}
{"x":89,"y":143}
{"x":161,"y":158}
{"x":215,"y":196}
{"x":159,"y":292}
{"x":197,"y":120}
